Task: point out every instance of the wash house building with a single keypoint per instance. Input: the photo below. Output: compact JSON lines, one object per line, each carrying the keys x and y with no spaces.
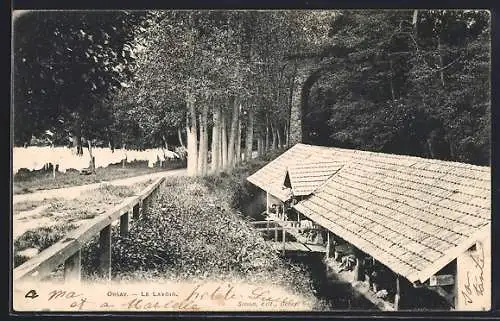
{"x":419,"y":228}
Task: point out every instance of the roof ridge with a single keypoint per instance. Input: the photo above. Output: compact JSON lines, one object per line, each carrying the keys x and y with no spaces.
{"x":392,"y":155}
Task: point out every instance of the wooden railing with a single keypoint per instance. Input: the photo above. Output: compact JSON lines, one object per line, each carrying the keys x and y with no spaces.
{"x":68,"y":250}
{"x":283,"y":226}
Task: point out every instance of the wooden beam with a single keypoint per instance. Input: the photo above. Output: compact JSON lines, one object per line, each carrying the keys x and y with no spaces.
{"x":105,"y":252}
{"x":47,"y":261}
{"x":449,"y":297}
{"x":440,"y":280}
{"x":73,"y":267}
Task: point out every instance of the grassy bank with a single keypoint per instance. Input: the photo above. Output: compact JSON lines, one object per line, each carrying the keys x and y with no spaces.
{"x":31,"y":181}
{"x":194,"y":231}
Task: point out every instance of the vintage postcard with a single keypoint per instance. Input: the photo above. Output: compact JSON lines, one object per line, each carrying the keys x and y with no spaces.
{"x":251,"y":160}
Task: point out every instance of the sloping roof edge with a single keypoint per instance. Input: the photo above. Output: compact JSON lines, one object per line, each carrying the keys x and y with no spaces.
{"x":424,"y":275}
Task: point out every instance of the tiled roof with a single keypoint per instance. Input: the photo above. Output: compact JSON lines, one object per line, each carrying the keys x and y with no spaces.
{"x":305,"y":177}
{"x":306,"y":168}
{"x":412,"y":214}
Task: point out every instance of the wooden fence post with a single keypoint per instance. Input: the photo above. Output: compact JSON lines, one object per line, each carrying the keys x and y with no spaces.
{"x":144,"y":205}
{"x":136,"y":210}
{"x":105,"y":252}
{"x":73,"y":267}
{"x":124,"y":224}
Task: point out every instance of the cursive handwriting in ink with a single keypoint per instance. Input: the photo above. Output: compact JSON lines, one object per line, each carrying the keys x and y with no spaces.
{"x":476,"y":285}
{"x":77,"y":301}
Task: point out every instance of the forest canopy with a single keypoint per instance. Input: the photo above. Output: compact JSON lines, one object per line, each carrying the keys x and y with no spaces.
{"x":222,"y":82}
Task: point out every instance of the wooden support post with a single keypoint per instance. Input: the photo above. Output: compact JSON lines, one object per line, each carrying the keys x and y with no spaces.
{"x":267,"y":203}
{"x":358,"y":268}
{"x":267,"y":227}
{"x":124,"y":224}
{"x":105,"y":252}
{"x":135,"y":211}
{"x":275,"y":231}
{"x":284,"y":235}
{"x":327,"y":245}
{"x":73,"y":267}
{"x":397,"y":297}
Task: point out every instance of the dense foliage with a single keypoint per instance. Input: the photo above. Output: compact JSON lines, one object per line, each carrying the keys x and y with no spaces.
{"x":400,"y":81}
{"x":407,"y":82}
{"x":192,"y":232}
{"x":66,"y":63}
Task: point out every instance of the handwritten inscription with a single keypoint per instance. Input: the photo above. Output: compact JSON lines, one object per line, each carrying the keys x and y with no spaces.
{"x":192,"y":297}
{"x":474,"y":278}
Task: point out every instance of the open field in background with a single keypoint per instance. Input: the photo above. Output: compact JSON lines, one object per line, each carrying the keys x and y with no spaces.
{"x":30,"y":181}
{"x":39,"y":224}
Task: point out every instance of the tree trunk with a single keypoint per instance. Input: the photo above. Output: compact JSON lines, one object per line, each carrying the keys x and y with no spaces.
{"x":279,"y":137}
{"x":77,"y":144}
{"x":232,"y":134}
{"x":259,"y":146}
{"x":124,"y":160}
{"x":266,"y":141}
{"x":216,"y":148}
{"x":391,"y":81}
{"x":192,"y":139}
{"x":165,"y":141}
{"x":291,"y":108}
{"x":238,"y":141}
{"x":273,"y":133}
{"x":224,"y":141}
{"x":203,"y":150}
{"x":286,"y":134}
{"x":92,"y":159}
{"x":200,"y":148}
{"x":249,"y":136}
{"x":179,"y":135}
{"x":441,"y":71}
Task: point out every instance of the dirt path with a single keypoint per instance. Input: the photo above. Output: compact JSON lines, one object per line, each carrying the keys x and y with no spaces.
{"x":75,"y":191}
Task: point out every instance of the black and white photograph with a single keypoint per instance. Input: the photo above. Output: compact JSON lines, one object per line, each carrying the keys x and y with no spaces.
{"x":251,"y":160}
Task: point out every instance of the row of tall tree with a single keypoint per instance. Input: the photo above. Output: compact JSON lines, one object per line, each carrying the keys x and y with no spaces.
{"x":221,"y":83}
{"x":221,"y":75}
